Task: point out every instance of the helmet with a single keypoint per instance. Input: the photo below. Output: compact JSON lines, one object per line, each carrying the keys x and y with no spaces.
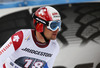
{"x":46,"y":16}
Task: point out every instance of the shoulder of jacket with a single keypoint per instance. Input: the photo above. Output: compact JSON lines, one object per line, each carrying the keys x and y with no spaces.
{"x":17,"y":39}
{"x":24,"y":30}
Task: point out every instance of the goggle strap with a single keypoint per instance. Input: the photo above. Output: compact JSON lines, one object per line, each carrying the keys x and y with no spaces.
{"x":40,"y":20}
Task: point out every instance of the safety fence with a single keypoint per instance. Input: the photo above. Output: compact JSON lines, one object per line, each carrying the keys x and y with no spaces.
{"x":24,"y":3}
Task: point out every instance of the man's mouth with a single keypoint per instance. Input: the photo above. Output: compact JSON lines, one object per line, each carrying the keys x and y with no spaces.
{"x":54,"y":34}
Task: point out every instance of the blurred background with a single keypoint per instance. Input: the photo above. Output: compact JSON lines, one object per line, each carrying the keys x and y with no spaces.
{"x":79,"y":38}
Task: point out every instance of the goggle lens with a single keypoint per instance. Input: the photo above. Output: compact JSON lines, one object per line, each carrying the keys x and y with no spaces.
{"x":54,"y":25}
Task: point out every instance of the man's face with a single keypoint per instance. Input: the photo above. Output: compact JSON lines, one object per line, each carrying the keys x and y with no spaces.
{"x":51,"y":35}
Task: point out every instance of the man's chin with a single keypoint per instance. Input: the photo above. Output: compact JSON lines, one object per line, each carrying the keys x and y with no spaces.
{"x":53,"y":38}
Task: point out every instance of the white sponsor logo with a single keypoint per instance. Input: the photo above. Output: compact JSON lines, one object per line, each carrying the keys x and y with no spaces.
{"x":40,"y":20}
{"x":16,"y":38}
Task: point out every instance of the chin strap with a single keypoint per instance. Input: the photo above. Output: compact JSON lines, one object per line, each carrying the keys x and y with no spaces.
{"x":44,"y":37}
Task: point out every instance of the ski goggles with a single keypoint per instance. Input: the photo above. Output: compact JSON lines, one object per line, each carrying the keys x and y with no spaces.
{"x":54,"y":25}
{"x":51,"y":25}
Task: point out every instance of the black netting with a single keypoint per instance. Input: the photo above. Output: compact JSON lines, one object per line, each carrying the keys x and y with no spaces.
{"x":13,"y":22}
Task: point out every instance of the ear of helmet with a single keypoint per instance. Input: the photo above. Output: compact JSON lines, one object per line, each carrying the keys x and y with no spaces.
{"x":39,"y":27}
